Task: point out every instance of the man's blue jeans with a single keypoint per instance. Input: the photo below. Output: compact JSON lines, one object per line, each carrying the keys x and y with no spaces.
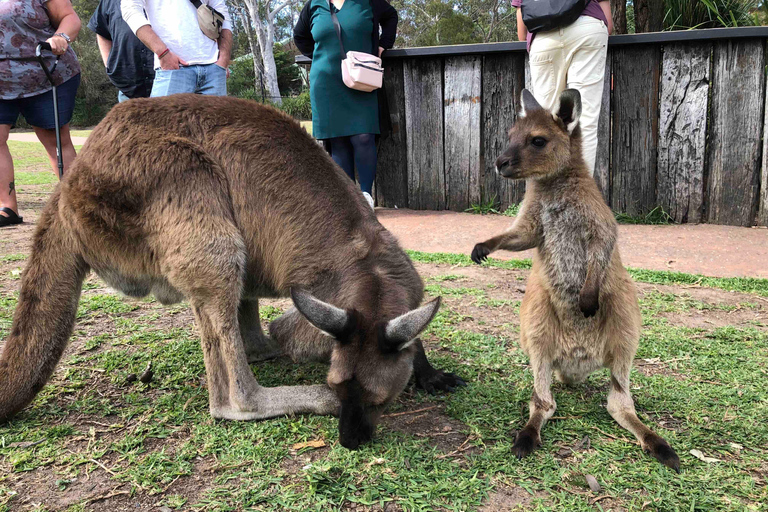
{"x":208,"y":79}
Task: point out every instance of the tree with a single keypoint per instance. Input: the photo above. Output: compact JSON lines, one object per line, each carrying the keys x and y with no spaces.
{"x":649,"y":15}
{"x":263,"y":17}
{"x":619,"y":15}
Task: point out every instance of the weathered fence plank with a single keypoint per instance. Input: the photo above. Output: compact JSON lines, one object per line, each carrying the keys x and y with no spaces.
{"x":683,"y":130}
{"x":635,"y":121}
{"x":423,"y":86}
{"x":392,"y":168}
{"x":602,"y":171}
{"x":733,"y":159}
{"x":503,"y":81}
{"x":461,"y":112}
{"x":762,"y":214}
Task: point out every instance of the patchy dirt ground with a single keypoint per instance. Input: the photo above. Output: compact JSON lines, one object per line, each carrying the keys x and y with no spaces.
{"x":92,"y":441}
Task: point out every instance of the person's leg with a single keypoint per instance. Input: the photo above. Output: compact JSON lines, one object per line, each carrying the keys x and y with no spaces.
{"x":587,"y":42}
{"x":7,"y":186}
{"x":343,"y":154}
{"x":174,"y":81}
{"x":364,"y":146}
{"x":214,"y":80}
{"x":547,"y":65}
{"x":48,"y":139}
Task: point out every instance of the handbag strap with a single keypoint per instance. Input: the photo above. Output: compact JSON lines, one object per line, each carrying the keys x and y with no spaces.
{"x":338,"y":29}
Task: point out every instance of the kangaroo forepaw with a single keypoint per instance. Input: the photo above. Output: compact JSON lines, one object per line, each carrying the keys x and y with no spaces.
{"x":664,"y":453}
{"x":480,"y":253}
{"x":526,"y":442}
{"x":438,"y":380}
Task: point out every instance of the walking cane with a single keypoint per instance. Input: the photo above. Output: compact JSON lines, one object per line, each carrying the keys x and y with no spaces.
{"x":38,"y":53}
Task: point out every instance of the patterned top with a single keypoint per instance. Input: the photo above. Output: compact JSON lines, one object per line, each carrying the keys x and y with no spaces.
{"x":24,"y":24}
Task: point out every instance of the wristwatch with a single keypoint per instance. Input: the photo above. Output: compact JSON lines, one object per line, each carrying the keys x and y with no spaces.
{"x":65,"y":36}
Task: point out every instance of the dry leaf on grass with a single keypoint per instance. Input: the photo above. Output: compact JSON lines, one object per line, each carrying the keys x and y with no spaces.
{"x":319,"y":443}
{"x":699,"y":455}
{"x":592,"y":483}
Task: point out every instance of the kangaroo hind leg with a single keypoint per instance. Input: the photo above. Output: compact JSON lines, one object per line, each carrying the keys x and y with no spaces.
{"x":258,"y":346}
{"x":622,"y":409}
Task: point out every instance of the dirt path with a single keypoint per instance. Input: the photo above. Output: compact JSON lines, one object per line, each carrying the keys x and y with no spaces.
{"x":717,"y":251}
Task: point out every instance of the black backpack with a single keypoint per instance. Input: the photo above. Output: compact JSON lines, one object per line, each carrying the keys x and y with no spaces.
{"x":543,"y":15}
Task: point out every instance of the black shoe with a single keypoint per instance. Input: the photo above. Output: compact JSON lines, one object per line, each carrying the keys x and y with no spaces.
{"x":12,"y":218}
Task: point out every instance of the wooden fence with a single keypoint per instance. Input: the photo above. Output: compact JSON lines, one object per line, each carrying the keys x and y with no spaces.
{"x":681,"y":127}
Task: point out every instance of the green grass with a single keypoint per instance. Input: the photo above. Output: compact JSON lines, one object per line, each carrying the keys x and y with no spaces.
{"x":485,"y":207}
{"x":656,"y":216}
{"x":739,"y":284}
{"x":711,"y":396}
{"x":28,"y":155}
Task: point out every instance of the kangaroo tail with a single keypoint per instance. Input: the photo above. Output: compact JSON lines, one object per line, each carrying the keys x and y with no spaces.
{"x":45,"y":313}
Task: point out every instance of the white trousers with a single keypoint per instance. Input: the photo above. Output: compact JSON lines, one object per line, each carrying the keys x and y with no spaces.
{"x":572,"y":57}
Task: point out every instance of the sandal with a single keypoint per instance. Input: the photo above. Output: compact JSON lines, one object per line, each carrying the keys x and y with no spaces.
{"x":12,"y":218}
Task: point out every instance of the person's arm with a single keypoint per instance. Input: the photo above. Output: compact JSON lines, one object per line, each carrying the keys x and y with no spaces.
{"x":133,"y":15}
{"x":302,"y":33}
{"x":225,"y":49}
{"x":522,"y":32}
{"x":105,"y":46}
{"x":225,"y":39}
{"x":605,"y":5}
{"x":65,"y":19}
{"x":388,"y":20}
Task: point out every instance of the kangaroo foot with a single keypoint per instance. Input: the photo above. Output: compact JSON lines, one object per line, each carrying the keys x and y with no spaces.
{"x":658,"y":447}
{"x":526,"y":442}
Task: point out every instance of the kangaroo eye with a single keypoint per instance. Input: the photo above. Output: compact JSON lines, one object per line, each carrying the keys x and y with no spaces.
{"x":539,"y":142}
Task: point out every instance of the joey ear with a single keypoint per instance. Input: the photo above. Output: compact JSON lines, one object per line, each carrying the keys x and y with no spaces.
{"x":326,"y":317}
{"x":401,"y":332}
{"x":569,"y":108}
{"x":528,"y":103}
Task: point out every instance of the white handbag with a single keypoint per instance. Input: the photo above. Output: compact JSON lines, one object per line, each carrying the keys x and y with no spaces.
{"x":359,"y":70}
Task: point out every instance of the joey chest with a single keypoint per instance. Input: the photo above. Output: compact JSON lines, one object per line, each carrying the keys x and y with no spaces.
{"x":563,"y":248}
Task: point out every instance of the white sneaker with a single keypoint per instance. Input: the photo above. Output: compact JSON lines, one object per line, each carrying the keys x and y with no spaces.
{"x":369,"y":199}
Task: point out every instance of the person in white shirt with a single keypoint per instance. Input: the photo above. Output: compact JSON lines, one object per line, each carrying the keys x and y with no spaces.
{"x":186,"y":60}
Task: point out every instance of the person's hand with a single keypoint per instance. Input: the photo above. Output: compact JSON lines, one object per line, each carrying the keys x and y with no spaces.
{"x":381,"y":50}
{"x":223,"y":62}
{"x":58,"y":44}
{"x":171,"y":61}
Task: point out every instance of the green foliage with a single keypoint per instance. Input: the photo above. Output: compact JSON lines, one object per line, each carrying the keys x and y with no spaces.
{"x":96,"y":94}
{"x":687,"y":14}
{"x":485,"y":207}
{"x":655,"y":216}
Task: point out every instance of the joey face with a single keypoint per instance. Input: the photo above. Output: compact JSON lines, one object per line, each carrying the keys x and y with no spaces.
{"x":371,"y":363}
{"x":540,"y":140}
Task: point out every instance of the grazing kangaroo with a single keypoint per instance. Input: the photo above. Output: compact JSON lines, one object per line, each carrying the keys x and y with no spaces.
{"x":222,"y":201}
{"x":580,"y":310}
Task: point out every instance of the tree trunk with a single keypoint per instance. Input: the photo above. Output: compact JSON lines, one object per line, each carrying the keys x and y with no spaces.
{"x":265,"y":32}
{"x":649,"y":15}
{"x":253,"y":44}
{"x":619,"y":15}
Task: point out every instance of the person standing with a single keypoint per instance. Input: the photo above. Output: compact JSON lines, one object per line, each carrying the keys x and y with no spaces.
{"x":186,"y":59}
{"x":347,"y":118}
{"x":25,"y":89}
{"x":572,"y":57}
{"x":129,"y":63}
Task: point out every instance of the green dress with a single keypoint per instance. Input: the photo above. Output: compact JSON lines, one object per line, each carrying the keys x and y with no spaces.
{"x":337,"y":110}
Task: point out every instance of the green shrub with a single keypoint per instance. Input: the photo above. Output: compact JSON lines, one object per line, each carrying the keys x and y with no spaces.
{"x":686,"y":14}
{"x":298,"y":107}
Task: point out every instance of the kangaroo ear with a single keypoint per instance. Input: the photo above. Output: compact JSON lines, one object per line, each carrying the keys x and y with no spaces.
{"x":401,"y":332}
{"x":331,"y":320}
{"x":569,"y":109}
{"x":528,"y":103}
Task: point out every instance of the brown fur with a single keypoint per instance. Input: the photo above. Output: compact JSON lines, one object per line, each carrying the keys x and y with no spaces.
{"x":219,"y":201}
{"x":580,"y":310}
